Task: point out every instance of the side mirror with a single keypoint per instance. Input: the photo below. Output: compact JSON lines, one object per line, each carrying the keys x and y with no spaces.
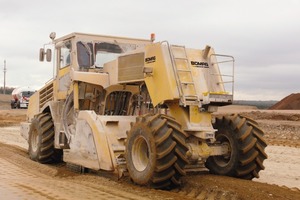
{"x":48,"y":55}
{"x":42,"y":54}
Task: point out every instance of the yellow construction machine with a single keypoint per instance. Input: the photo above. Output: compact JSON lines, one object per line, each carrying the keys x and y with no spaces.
{"x":140,"y":108}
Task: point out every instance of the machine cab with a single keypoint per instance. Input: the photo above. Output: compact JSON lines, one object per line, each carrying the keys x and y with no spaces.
{"x":85,"y":53}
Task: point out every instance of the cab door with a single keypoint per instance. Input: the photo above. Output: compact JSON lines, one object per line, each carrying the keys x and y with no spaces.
{"x":62,"y":82}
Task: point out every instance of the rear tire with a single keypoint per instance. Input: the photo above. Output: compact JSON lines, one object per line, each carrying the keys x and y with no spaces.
{"x":156,"y":152}
{"x":12,"y":105}
{"x":41,"y":140}
{"x":246,"y":148}
{"x":18,"y":106}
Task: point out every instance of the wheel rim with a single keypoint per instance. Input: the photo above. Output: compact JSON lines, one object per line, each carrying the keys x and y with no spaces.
{"x":224,"y":160}
{"x":140,"y":153}
{"x":34,"y":140}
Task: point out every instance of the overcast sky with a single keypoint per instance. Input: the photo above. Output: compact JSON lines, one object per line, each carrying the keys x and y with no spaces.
{"x":262,"y":35}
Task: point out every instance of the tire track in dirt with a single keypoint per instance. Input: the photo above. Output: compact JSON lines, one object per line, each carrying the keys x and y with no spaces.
{"x":24,"y":178}
{"x":195,"y":186}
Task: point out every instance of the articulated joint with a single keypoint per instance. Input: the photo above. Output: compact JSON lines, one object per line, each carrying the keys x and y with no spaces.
{"x":202,"y":151}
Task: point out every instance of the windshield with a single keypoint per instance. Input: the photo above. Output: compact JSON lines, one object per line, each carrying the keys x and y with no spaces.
{"x":27,"y":94}
{"x":106,"y":52}
{"x":97,"y":54}
{"x":104,"y":57}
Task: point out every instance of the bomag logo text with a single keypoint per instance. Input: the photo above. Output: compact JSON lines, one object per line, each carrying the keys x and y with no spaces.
{"x":199,"y":64}
{"x":150,"y":59}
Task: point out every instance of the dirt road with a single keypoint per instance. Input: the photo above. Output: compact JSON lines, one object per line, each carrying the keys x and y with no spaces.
{"x":22,"y":178}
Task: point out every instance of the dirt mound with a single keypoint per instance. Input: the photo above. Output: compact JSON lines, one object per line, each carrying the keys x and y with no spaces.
{"x":261,"y":115}
{"x":291,"y":102}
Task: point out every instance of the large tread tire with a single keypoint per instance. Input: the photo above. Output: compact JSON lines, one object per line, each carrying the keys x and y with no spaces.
{"x":41,"y":140}
{"x":156,"y":151}
{"x":246,"y":144}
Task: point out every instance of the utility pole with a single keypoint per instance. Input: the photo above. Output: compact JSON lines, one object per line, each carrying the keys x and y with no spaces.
{"x":4,"y":70}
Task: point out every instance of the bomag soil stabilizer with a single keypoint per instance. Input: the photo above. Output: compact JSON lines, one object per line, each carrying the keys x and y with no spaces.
{"x":140,"y":108}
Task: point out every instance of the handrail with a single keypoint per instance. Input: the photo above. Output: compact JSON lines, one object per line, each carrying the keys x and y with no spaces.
{"x":231,"y":59}
{"x":180,"y":91}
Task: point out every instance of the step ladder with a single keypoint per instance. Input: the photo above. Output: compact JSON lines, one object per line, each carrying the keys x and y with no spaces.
{"x":182,"y":69}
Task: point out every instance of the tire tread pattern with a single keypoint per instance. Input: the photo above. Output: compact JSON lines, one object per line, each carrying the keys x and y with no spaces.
{"x":170,"y":149}
{"x":251,"y":147}
{"x":46,"y":153}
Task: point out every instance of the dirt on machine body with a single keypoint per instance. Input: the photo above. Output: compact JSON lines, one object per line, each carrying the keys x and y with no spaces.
{"x":142,"y":109}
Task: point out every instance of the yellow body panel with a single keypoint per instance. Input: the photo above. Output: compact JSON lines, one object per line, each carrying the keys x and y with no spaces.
{"x":91,"y":77}
{"x":76,"y":95}
{"x":197,"y":117}
{"x":193,"y":121}
{"x":62,"y":83}
{"x":206,"y":78}
{"x":201,"y":123}
{"x":161,"y":84}
{"x":33,"y":107}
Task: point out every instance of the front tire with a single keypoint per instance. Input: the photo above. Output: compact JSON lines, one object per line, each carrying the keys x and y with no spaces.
{"x":246,"y":148}
{"x":156,"y":152}
{"x":41,"y":140}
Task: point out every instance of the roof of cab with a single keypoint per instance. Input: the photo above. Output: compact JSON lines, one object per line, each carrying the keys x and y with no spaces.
{"x":92,"y":37}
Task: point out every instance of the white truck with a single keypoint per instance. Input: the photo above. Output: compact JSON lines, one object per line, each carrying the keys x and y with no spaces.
{"x":20,"y":97}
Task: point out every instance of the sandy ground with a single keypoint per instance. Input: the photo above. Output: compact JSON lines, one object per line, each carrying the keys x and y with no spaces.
{"x":282,"y":165}
{"x":25,"y":179}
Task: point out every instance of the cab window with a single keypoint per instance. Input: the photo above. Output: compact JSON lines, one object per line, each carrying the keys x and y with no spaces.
{"x":85,"y":56}
{"x":65,"y":54}
{"x":106,"y":52}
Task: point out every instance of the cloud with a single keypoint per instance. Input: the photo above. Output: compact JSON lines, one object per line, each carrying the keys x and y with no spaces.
{"x":263,"y":36}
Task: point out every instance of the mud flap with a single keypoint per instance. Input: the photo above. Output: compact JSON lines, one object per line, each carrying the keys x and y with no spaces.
{"x":89,"y":146}
{"x":82,"y":147}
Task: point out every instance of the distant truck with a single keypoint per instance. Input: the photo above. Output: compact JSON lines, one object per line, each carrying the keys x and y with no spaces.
{"x":20,"y":97}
